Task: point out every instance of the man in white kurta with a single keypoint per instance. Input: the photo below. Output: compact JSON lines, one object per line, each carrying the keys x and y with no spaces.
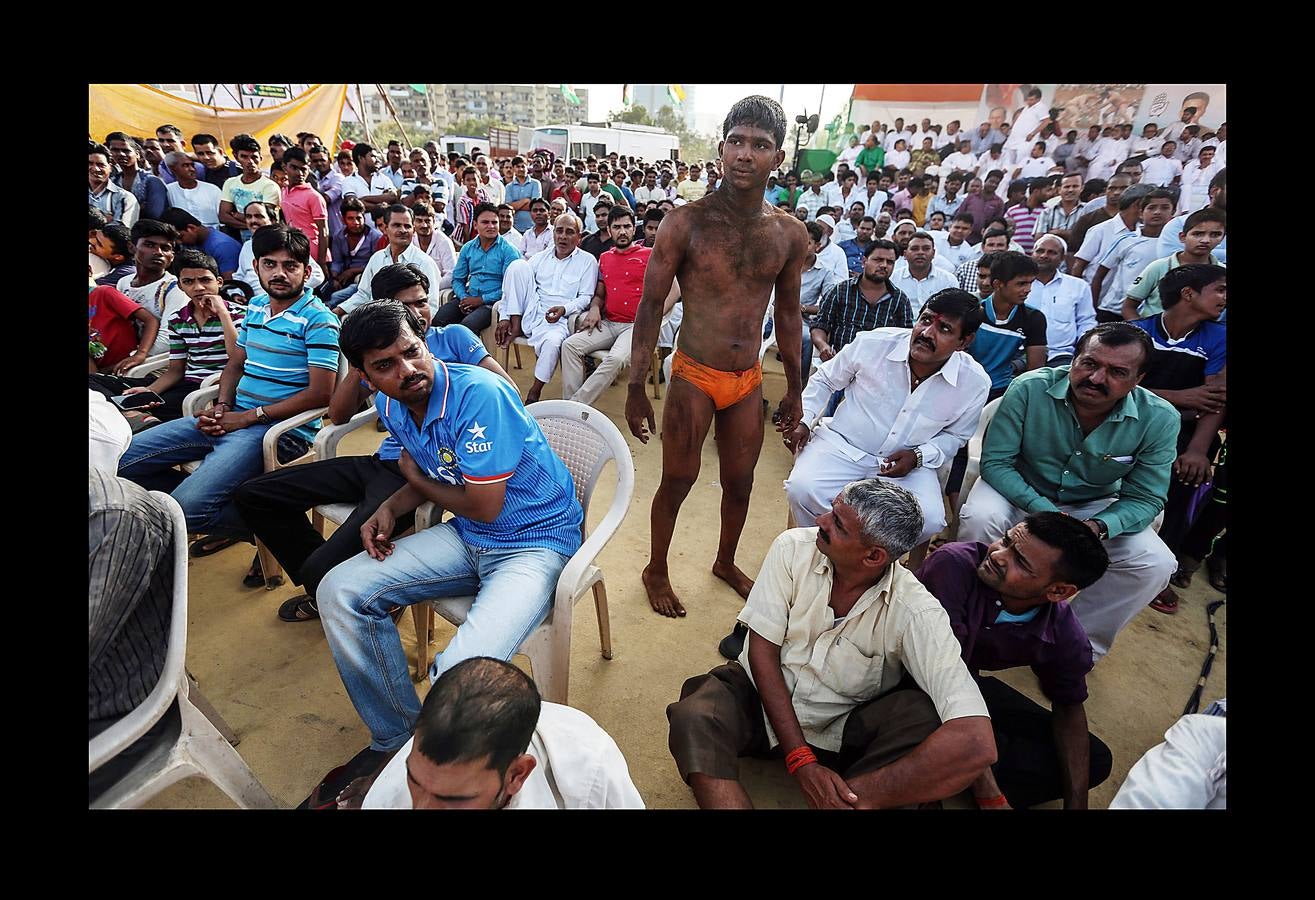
{"x":539,"y":296}
{"x":893,"y":424}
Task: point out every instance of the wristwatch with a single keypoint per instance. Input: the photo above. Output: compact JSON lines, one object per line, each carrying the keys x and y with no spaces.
{"x":261,"y":416}
{"x":1102,"y":529}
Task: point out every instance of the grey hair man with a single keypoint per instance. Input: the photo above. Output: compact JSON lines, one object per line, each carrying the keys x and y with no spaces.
{"x":855,"y":733}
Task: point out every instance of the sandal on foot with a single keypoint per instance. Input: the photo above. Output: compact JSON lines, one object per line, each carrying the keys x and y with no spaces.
{"x":1166,"y":602}
{"x":1219,"y":578}
{"x":255,"y":576}
{"x":299,"y":609}
{"x":207,"y":546}
{"x":1181,"y":579}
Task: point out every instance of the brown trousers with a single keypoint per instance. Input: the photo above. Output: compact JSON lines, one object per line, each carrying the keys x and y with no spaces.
{"x":719,"y":718}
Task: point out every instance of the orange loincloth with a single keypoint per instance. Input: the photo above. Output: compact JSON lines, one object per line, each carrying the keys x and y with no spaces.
{"x":723,"y":388}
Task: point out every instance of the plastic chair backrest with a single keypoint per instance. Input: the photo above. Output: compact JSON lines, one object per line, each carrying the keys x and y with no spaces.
{"x":106,"y":745}
{"x":585,"y":440}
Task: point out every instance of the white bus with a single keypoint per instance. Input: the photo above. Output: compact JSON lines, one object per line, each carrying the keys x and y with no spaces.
{"x":578,"y":141}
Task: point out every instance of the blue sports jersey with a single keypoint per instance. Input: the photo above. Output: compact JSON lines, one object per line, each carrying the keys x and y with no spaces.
{"x":1185,"y":363}
{"x":476,"y":431}
{"x":995,"y":346}
{"x":455,"y":343}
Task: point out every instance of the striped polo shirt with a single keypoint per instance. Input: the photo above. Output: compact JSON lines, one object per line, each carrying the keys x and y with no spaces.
{"x":281,"y":349}
{"x":477,"y":431}
{"x":202,"y":346}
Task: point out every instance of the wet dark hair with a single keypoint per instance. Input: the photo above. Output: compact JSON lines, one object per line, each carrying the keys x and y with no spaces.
{"x":1082,"y":557}
{"x":1197,"y":276}
{"x":191,"y":258}
{"x":954,"y":303}
{"x":374,"y":325}
{"x":398,"y":277}
{"x":757,"y":112}
{"x":1119,"y":334}
{"x":1011,"y":264}
{"x":480,"y":709}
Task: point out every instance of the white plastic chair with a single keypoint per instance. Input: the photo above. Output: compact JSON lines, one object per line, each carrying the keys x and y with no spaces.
{"x":974,"y":468}
{"x":269,"y":446}
{"x":151,"y":366}
{"x":198,"y":747}
{"x":585,"y":440}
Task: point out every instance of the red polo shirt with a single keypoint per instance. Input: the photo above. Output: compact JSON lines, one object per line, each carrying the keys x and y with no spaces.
{"x":623,"y":273}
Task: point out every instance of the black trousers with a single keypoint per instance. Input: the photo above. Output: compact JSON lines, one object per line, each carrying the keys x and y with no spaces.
{"x":1103,"y":316}
{"x":1027,"y":764}
{"x":274,"y":507}
{"x":451,"y":314}
{"x":114,"y":385}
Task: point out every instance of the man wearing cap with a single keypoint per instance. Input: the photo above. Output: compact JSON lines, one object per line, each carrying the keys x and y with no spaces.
{"x":831,"y":256}
{"x":1065,"y":300}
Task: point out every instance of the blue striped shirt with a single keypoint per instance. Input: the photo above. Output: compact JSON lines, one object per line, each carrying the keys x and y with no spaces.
{"x":478,"y":272}
{"x":477,"y":431}
{"x":281,"y":349}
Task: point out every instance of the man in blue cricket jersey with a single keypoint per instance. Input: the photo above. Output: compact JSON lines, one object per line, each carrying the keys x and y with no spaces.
{"x":285,"y":363}
{"x":468,"y":446}
{"x":274,"y":505}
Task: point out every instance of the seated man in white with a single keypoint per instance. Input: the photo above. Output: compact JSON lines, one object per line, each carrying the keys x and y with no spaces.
{"x":485,"y":740}
{"x":912,"y":400}
{"x":540,"y":294}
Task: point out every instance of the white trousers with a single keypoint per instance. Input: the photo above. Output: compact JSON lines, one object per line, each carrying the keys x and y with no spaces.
{"x":1140,"y":564}
{"x":614,"y":337}
{"x":667,"y":334}
{"x":828,"y":463}
{"x":519,"y":298}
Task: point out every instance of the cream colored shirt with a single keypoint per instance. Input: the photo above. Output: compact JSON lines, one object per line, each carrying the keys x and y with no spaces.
{"x":831,"y":667}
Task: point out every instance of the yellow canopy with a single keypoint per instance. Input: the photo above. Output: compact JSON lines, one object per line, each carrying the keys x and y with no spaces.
{"x":139,"y":109}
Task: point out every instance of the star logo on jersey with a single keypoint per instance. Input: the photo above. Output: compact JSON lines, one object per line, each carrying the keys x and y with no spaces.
{"x":478,"y":431}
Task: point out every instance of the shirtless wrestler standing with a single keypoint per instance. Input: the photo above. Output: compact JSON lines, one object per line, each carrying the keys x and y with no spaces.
{"x":728,"y":249}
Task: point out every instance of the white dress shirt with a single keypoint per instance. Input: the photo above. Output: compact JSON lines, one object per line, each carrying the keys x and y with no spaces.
{"x":839,"y":199}
{"x":1029,"y":120}
{"x":833,"y":258}
{"x":953,"y":257}
{"x":986,"y":163}
{"x":531,"y":243}
{"x":1099,"y":241}
{"x":568,"y":282}
{"x":587,"y":203}
{"x":577,"y":766}
{"x":884,"y":417}
{"x":357,"y":185}
{"x":384,"y":257}
{"x":443,"y":253}
{"x":1035,"y":168}
{"x":1159,"y":171}
{"x":1196,"y":185}
{"x":649,"y":195}
{"x":898,"y":158}
{"x":918,"y":291}
{"x":888,"y":143}
{"x":1066,"y":301}
{"x":874,"y":202}
{"x":1107,"y":154}
{"x":1148,"y":146}
{"x":1188,"y":771}
{"x":849,"y":154}
{"x":966,"y":162}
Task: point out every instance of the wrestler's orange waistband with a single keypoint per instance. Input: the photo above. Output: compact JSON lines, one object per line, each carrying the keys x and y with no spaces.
{"x":724,"y":388}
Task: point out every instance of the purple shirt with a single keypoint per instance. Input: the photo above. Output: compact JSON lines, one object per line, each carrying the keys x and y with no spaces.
{"x":983,"y":210}
{"x":1053,"y":643}
{"x":330,"y":186}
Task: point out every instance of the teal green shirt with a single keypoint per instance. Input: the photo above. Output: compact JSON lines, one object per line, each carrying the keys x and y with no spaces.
{"x":1049,"y":462}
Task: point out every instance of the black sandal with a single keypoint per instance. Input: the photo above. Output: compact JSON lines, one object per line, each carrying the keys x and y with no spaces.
{"x":299,"y":609}
{"x":198,"y":547}
{"x":255,"y":576}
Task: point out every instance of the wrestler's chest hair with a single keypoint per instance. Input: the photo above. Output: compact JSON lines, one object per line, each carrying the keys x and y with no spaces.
{"x":730,"y":253}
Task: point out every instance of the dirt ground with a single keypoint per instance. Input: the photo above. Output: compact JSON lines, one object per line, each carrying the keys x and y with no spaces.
{"x":276,"y":684}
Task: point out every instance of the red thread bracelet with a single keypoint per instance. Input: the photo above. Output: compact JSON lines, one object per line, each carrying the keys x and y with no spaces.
{"x":996,"y":802}
{"x":798,"y":758}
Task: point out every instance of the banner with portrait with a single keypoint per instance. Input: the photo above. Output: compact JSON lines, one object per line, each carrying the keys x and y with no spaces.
{"x":1164,"y":104}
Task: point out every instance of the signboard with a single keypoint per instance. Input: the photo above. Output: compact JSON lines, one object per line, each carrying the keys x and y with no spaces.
{"x":273,"y":91}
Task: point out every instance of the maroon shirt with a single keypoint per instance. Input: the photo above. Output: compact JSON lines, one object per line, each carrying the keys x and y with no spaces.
{"x":982,"y":210}
{"x":1052,"y":643}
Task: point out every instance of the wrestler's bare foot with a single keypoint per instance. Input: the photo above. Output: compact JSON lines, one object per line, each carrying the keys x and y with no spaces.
{"x":660,"y":595}
{"x":731,"y":574}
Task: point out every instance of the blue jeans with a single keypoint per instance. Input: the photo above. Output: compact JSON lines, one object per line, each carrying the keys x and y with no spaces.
{"x":206,"y":495}
{"x":513,"y":591}
{"x":339,"y":297}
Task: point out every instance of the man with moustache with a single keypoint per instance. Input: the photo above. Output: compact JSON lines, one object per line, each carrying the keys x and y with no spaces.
{"x":1097,"y":446}
{"x":1064,"y":299}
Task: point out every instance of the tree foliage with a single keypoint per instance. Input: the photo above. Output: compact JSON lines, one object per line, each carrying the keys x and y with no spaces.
{"x":692,"y":144}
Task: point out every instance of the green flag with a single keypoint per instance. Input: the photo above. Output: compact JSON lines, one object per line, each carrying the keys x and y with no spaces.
{"x":569,"y":93}
{"x":420,"y":88}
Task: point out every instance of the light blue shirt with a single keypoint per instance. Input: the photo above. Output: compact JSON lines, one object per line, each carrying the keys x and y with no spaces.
{"x":455,"y":343}
{"x":530,"y":190}
{"x":478,"y":272}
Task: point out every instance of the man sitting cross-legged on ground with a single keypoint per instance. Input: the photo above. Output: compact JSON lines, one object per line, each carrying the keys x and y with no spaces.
{"x":1008,"y":606}
{"x":274,"y":505}
{"x":1096,"y":446}
{"x":485,"y":740}
{"x":540,"y":294}
{"x":730,"y":250}
{"x":469,"y":447}
{"x":285,"y":363}
{"x":835,"y":621}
